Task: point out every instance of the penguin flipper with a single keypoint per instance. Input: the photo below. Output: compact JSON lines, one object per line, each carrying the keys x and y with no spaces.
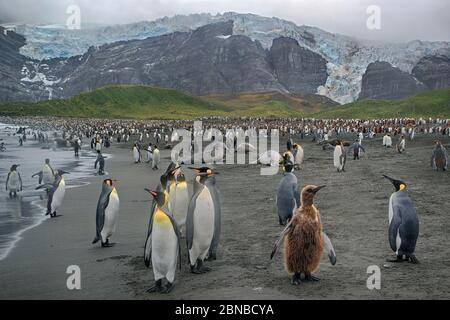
{"x":190,"y":217}
{"x":280,"y":240}
{"x":394,"y":227}
{"x":217,"y":223}
{"x":329,"y":247}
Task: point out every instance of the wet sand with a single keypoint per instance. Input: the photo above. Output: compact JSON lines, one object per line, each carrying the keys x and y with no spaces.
{"x":354,"y":209}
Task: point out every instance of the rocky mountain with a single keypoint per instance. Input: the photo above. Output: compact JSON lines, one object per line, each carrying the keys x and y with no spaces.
{"x":204,"y":61}
{"x":347,"y":58}
{"x":433,"y":71}
{"x":383,"y":81}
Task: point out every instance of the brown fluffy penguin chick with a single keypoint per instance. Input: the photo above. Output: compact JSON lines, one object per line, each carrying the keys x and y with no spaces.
{"x":304,"y":244}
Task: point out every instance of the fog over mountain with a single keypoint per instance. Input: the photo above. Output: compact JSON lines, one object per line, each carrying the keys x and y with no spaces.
{"x":402,"y":20}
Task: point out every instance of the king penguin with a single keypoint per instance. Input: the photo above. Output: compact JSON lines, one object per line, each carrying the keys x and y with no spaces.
{"x":298,"y":154}
{"x":56,"y":192}
{"x":178,"y":196}
{"x":203,"y":221}
{"x":13,"y":181}
{"x":46,"y":175}
{"x":305,"y":240}
{"x":439,"y":158}
{"x":136,"y":154}
{"x":288,"y":197}
{"x":162,"y":247}
{"x":403,"y":223}
{"x":339,"y":156}
{"x":107,"y":213}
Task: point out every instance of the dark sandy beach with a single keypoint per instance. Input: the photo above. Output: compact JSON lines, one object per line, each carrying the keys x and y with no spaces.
{"x":354,"y":209}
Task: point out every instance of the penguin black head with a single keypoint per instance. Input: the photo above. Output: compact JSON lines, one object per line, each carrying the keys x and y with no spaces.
{"x":47,"y":161}
{"x":158,"y":196}
{"x":108,"y":182}
{"x":60,"y":172}
{"x":398,"y":184}
{"x":14,"y":167}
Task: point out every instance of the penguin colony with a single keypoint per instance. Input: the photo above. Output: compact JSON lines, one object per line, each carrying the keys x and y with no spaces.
{"x":175,"y":213}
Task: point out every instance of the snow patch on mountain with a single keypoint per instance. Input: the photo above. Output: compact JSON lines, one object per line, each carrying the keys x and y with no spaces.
{"x":347,"y":57}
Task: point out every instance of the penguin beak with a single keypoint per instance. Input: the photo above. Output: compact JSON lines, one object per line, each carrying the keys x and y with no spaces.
{"x":389,"y":178}
{"x":65,"y":172}
{"x":153,"y":193}
{"x":315,"y":190}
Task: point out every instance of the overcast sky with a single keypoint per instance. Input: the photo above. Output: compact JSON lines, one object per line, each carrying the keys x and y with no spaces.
{"x":401,"y":20}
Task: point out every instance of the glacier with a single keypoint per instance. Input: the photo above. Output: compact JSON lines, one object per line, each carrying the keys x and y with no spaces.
{"x":347,"y":57}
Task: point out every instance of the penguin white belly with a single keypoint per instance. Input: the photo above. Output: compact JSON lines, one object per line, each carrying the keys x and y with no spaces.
{"x":135,"y":154}
{"x":47,"y":176}
{"x":337,"y":158}
{"x":203,"y":226}
{"x":164,"y":249}
{"x":13,"y":182}
{"x":58,"y":196}
{"x":299,"y":156}
{"x":111,"y":215}
{"x":155,"y":158}
{"x":181,"y":203}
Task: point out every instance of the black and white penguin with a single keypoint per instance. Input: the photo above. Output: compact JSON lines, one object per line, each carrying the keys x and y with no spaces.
{"x":162,"y":247}
{"x":56,"y":192}
{"x":107,"y":213}
{"x":203,"y":222}
{"x":13,"y":181}
{"x":403,"y":223}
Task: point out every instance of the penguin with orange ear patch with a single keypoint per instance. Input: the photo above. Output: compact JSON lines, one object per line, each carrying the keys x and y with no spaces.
{"x":162,"y":247}
{"x":403,"y":223}
{"x":203,"y":221}
{"x":305,"y":240}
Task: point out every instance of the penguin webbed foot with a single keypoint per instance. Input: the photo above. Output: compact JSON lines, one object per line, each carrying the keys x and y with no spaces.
{"x":310,"y":277}
{"x":296,"y":279}
{"x":211,"y":257}
{"x":156,"y":288}
{"x":199,"y":268}
{"x":108,"y":244}
{"x":413,"y":259}
{"x":398,"y":259}
{"x":168,"y":288}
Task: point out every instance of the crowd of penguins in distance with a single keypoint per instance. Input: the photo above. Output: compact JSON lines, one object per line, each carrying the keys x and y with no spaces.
{"x":174,"y":212}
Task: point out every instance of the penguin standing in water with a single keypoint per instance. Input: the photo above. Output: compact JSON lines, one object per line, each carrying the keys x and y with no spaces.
{"x":439,"y":159}
{"x":288,"y":197}
{"x":162,"y":247}
{"x":203,"y":221}
{"x":305,"y":240}
{"x":56,"y":192}
{"x":403,"y":223}
{"x":107,"y":213}
{"x":340,"y":156}
{"x":47,"y":174}
{"x":13,"y":181}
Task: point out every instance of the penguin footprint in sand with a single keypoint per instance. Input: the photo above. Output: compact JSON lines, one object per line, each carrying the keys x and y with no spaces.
{"x":304,"y":240}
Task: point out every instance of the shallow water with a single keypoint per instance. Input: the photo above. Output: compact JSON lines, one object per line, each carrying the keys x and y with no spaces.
{"x":27,"y":210}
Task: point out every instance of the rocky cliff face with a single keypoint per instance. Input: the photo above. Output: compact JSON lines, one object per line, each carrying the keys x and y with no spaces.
{"x":208,"y":60}
{"x":298,"y":69}
{"x":433,"y":71}
{"x":383,"y":81}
